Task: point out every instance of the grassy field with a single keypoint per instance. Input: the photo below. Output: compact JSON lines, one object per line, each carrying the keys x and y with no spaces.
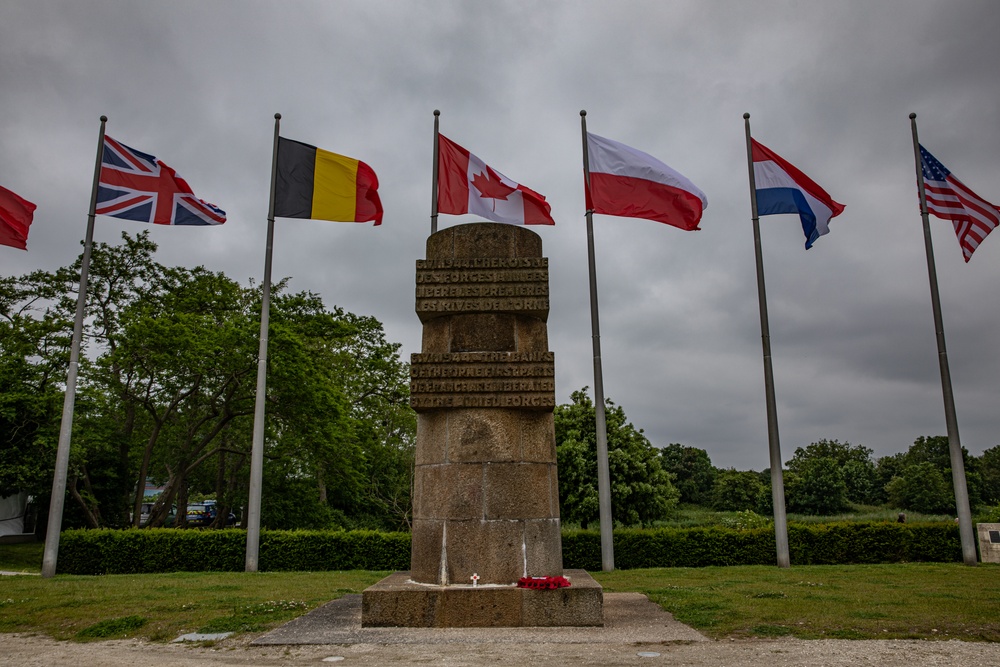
{"x":927,"y":601}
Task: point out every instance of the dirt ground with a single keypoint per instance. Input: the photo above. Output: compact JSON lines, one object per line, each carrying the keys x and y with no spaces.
{"x":32,"y":651}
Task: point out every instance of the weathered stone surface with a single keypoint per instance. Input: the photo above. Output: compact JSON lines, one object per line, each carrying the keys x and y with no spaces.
{"x":485,"y":494}
{"x":437,"y":335}
{"x":425,"y":549}
{"x":580,"y":605}
{"x":485,"y":268}
{"x":523,"y":380}
{"x":543,"y":542}
{"x":989,"y":542}
{"x":448,"y":491}
{"x":398,"y":602}
{"x":483,"y":332}
{"x":491,"y":549}
{"x":432,"y":434}
{"x":518,"y":491}
{"x":538,"y":438}
{"x":532,"y":335}
{"x":481,"y":435}
{"x":441,"y":244}
{"x":527,"y":245}
{"x":485,"y":240}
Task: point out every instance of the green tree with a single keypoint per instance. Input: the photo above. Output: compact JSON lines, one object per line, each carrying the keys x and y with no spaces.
{"x":816,"y":486}
{"x":34,"y":352}
{"x":989,"y":465}
{"x":737,"y":490}
{"x":641,"y":491}
{"x":935,"y":452}
{"x":692,"y":470}
{"x":921,"y":487}
{"x":857,"y":468}
{"x":167,"y":386}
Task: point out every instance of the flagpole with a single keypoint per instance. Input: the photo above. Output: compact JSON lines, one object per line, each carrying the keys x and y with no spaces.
{"x":434,"y":178}
{"x":257,"y":451}
{"x":56,"y":503}
{"x":603,"y":469}
{"x":774,"y":447}
{"x":950,"y":416}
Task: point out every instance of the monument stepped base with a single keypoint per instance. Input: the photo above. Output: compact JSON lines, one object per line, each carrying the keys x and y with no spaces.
{"x":396,"y":601}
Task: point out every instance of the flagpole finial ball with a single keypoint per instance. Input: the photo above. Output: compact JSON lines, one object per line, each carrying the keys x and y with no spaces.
{"x":912,"y":116}
{"x":437,"y":112}
{"x":104,"y":119}
{"x":277,"y":116}
{"x":746,"y":116}
{"x":583,"y":112}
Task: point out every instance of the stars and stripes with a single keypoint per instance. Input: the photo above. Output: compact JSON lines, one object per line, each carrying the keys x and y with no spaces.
{"x":949,"y":199}
{"x":137,"y":186}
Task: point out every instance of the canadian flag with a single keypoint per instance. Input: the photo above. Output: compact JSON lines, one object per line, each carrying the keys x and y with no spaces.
{"x":466,"y":184}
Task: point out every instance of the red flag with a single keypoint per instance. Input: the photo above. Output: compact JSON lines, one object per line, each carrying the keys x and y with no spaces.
{"x":15,"y":218}
{"x":627,"y":182}
{"x":466,"y":184}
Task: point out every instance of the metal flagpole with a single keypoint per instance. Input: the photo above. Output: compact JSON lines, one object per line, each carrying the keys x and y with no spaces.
{"x":57,"y":501}
{"x":257,"y":452}
{"x":434,"y":184}
{"x":603,"y":471}
{"x":951,"y":419}
{"x":774,"y":448}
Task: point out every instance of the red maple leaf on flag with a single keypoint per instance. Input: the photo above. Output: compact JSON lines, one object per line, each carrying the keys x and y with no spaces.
{"x":491,"y":187}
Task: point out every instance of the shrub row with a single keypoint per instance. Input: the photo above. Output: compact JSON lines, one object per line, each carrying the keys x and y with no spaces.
{"x":169,"y":550}
{"x":808,"y":544}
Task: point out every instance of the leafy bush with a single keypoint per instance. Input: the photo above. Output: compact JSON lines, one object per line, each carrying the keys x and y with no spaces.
{"x":167,"y":550}
{"x":922,"y":487}
{"x":809,"y":544}
{"x":141,"y":551}
{"x":746,"y":520}
{"x":736,"y":490}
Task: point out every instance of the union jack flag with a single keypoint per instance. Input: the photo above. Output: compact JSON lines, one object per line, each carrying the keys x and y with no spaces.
{"x":137,"y":186}
{"x":950,"y":199}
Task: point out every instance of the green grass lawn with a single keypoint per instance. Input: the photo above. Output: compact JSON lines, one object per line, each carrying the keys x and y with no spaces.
{"x":926,"y":600}
{"x":25,"y":557}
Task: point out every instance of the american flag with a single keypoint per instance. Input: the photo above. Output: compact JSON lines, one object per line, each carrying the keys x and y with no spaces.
{"x":950,"y":199}
{"x":137,"y":186}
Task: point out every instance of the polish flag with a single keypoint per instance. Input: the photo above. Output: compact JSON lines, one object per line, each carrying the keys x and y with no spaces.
{"x":627,"y":182}
{"x":466,"y":184}
{"x":781,"y":188}
{"x":16,"y":214}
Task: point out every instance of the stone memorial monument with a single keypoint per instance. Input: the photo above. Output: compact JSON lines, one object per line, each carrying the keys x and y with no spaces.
{"x":486,"y":493}
{"x":989,"y":542}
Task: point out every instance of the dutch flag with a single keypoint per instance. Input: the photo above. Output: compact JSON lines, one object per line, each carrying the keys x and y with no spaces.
{"x":781,"y":188}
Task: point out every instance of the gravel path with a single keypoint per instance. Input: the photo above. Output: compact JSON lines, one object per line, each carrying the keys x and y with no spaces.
{"x":634,"y":626}
{"x":27,"y":651}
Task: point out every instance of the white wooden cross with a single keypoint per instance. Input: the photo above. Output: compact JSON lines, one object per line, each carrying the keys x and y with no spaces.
{"x":475,"y":579}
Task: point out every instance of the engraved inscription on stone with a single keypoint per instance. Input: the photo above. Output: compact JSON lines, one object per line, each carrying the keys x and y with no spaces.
{"x":482,"y":380}
{"x":482,"y":285}
{"x":995,"y":536}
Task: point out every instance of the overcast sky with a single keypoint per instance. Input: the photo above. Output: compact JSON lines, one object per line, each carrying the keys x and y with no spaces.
{"x":829,"y":87}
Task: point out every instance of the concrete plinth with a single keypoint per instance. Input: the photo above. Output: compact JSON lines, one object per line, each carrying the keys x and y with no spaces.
{"x":398,"y":601}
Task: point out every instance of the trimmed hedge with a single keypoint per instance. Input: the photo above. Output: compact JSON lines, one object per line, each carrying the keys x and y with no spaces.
{"x":172,"y":550}
{"x":808,"y":544}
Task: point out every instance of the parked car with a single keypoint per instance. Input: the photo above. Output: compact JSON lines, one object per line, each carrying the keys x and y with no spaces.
{"x":199,"y":515}
{"x":144,"y":515}
{"x":230,"y":519}
{"x":203,"y":514}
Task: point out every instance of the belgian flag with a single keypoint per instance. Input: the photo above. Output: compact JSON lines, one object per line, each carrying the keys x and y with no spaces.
{"x":320,"y":185}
